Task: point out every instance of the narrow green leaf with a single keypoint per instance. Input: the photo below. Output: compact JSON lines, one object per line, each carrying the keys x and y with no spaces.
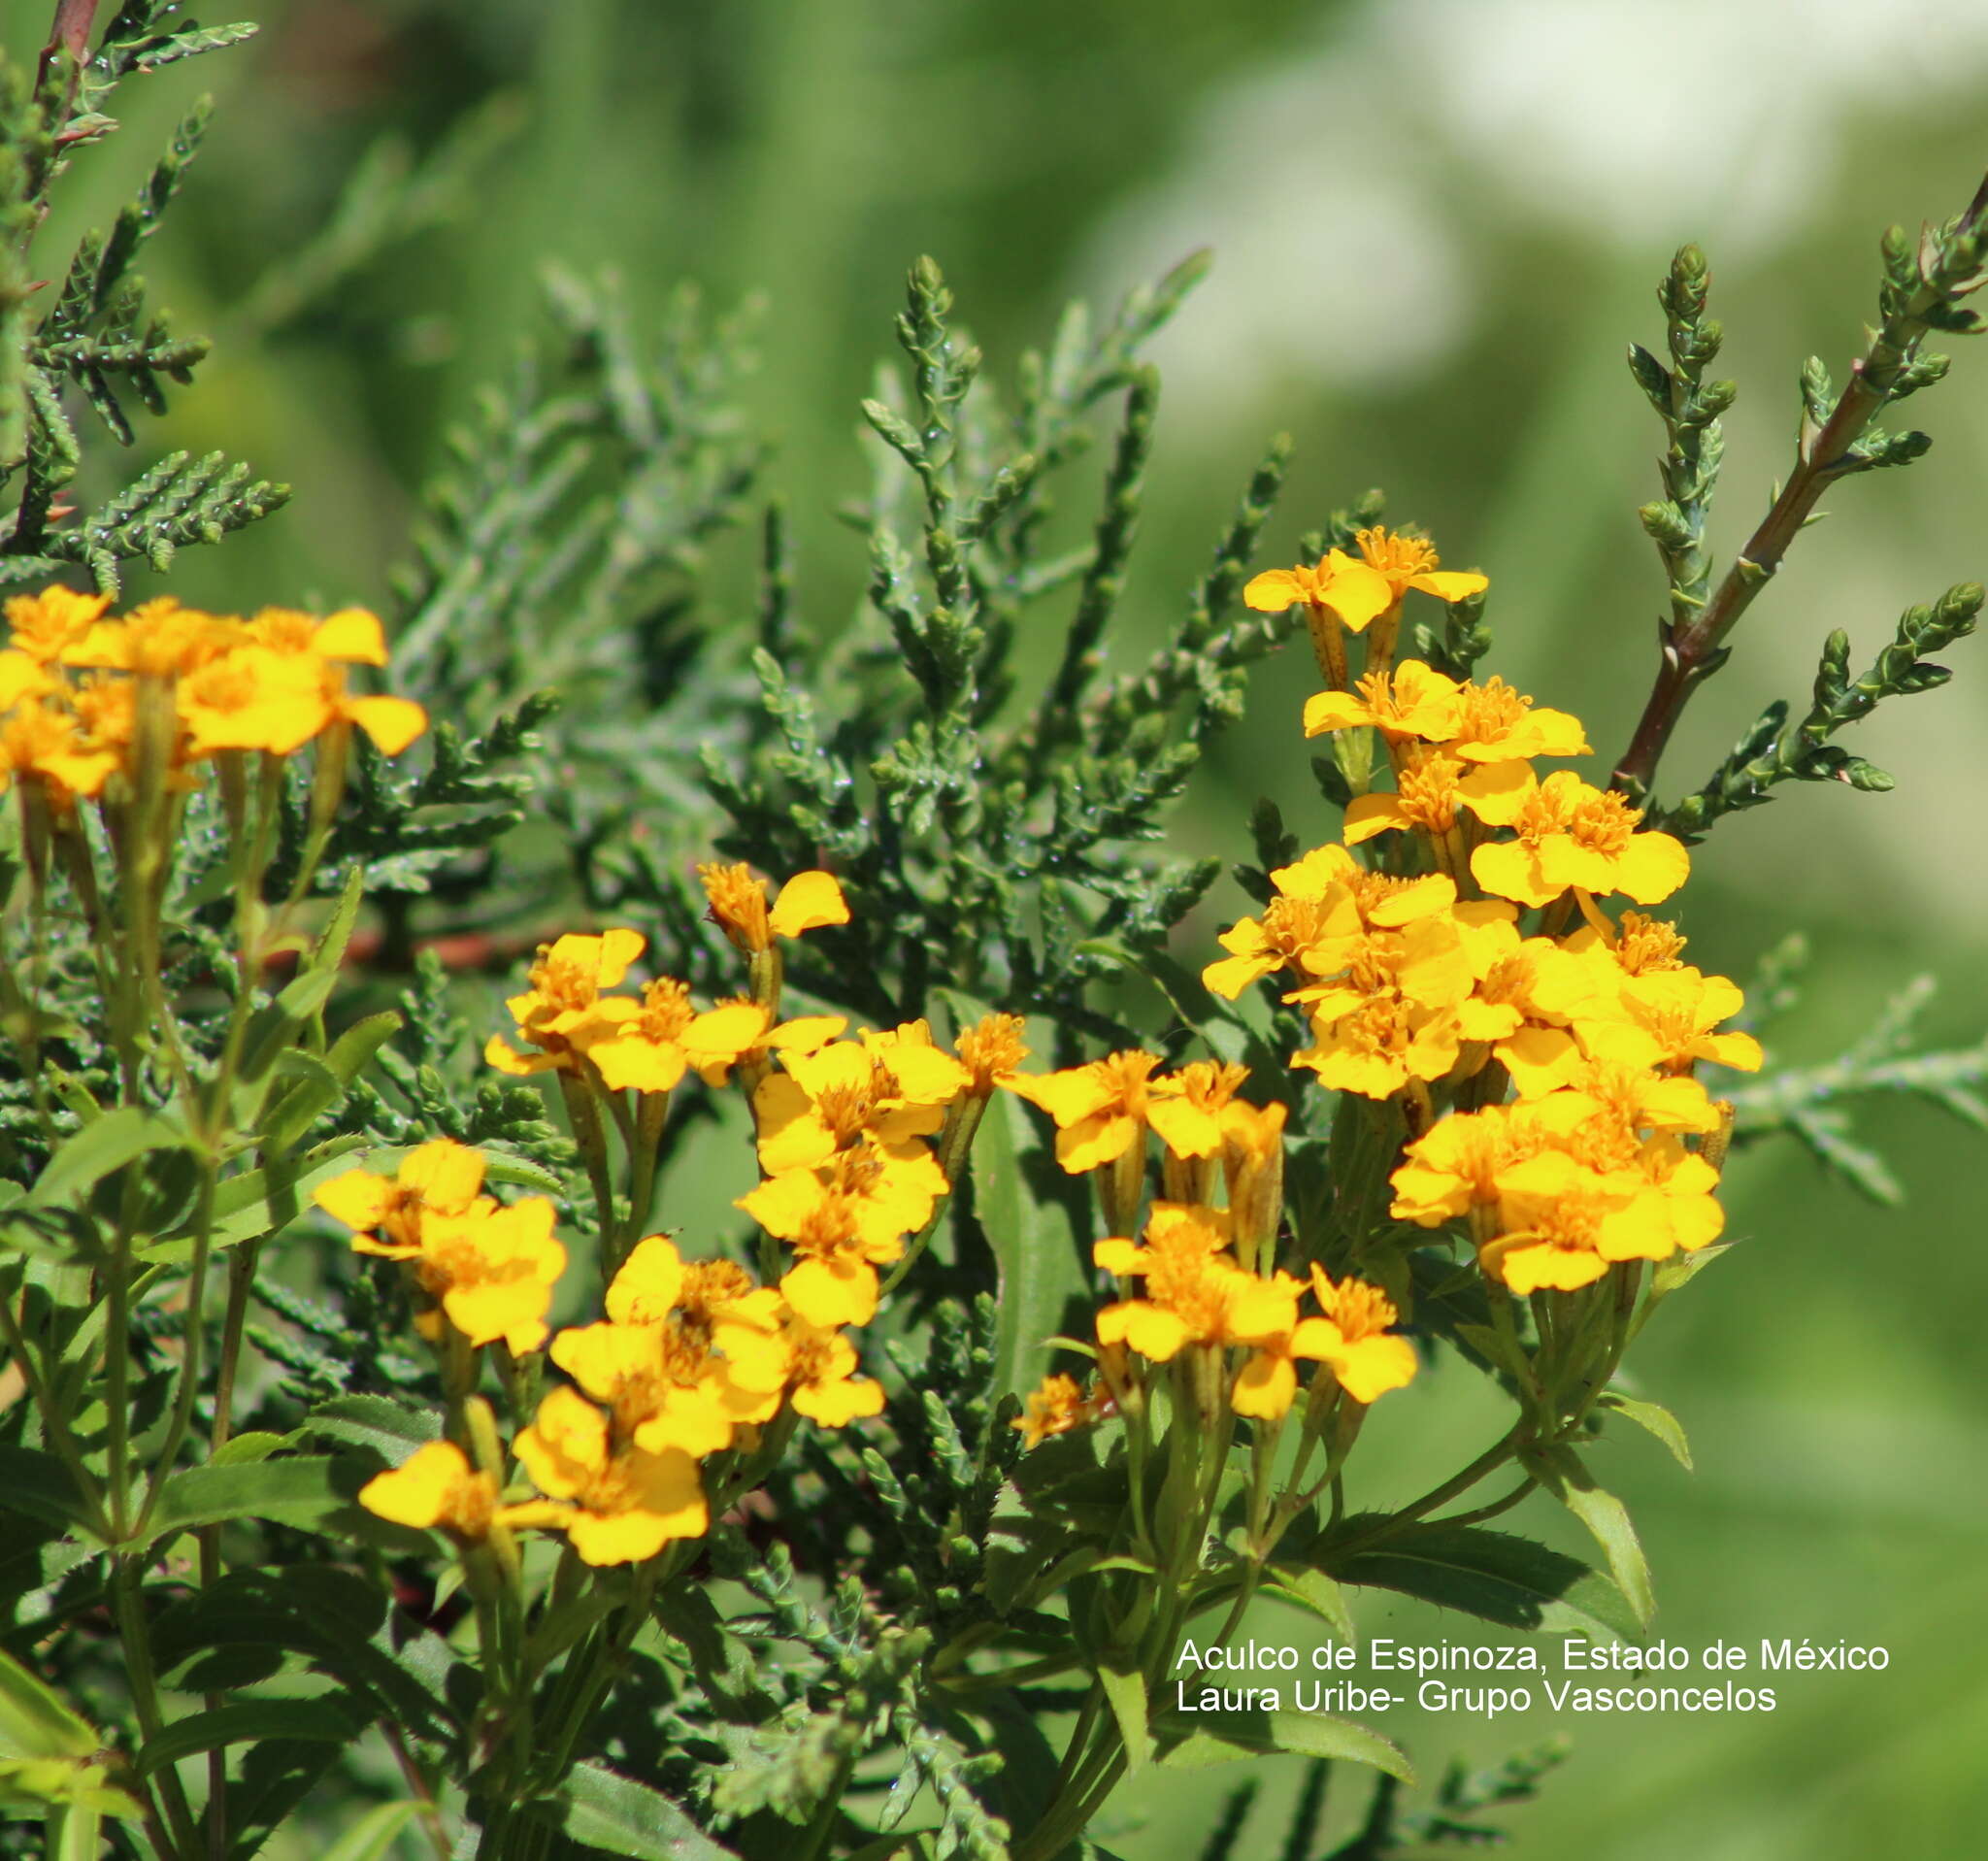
{"x":1125,"y":1693}
{"x":1215,"y":1737}
{"x":39,"y":1485}
{"x":604,"y":1809}
{"x":1659,"y":1421}
{"x":1015,"y":1184}
{"x":1562,"y":1473}
{"x":245,"y":1450}
{"x":251,"y":1722}
{"x":389,"y":1428}
{"x":1492,"y":1575}
{"x":301,"y":1491}
{"x":1316,"y":1592}
{"x":35,"y":1720}
{"x":104,"y":1144}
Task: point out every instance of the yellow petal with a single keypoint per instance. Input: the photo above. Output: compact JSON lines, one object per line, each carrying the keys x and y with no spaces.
{"x":1371,"y":815}
{"x":834,"y":1405}
{"x":1449,"y":585}
{"x":1334,"y":711}
{"x":1374,"y":1366}
{"x":827,"y":1299}
{"x":1355,"y":593}
{"x":1265,"y":1387}
{"x":807,"y":901}
{"x":1652,"y":867}
{"x":391,"y":723}
{"x":353,"y":635}
{"x":356,"y":1199}
{"x":1273,"y":591}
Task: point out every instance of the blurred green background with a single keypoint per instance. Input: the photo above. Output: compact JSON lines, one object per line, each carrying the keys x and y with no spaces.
{"x":1435,"y":223}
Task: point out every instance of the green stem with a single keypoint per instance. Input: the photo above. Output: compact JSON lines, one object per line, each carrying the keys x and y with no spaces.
{"x":127,"y":1601}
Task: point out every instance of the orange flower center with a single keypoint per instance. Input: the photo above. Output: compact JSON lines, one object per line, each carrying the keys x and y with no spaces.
{"x":1398,"y":557}
{"x":1646,"y":944}
{"x":1489,"y":711}
{"x":1603,"y":822}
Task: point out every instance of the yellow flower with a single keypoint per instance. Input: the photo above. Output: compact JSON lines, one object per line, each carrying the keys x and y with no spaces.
{"x":640,"y":1044}
{"x":1101,"y":1109}
{"x":714,"y":1300}
{"x":436,"y":1488}
{"x":1195,"y":1293}
{"x":1503,"y":1008}
{"x":1638,"y":1098}
{"x":566,"y":984}
{"x":1354,"y":1338}
{"x":1459,"y":1164}
{"x":44,"y":626}
{"x":1056,"y":1405}
{"x":892,"y":1086}
{"x":251,"y":698}
{"x":1551,"y":1237}
{"x":738,"y":906}
{"x":1360,"y":590}
{"x":39,"y":742}
{"x":493,"y":1270}
{"x":442,"y":1177}
{"x":627,"y":1505}
{"x":662,"y":1385}
{"x":1572,"y":835}
{"x":991,"y":1051}
{"x":1188,"y":1109}
{"x":1376,"y":1048}
{"x":887,"y":1192}
{"x":1414,"y":700}
{"x":1667,"y":1018}
{"x":834,"y":1282}
{"x":1430,"y":791}
{"x":1494,"y":724}
{"x":824,"y":1385}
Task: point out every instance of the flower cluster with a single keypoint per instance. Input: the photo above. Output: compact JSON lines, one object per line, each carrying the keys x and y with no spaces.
{"x":691,"y":1359}
{"x":1479,"y":957}
{"x":1207,"y":1286}
{"x":77,"y":688}
{"x":695,"y":1359}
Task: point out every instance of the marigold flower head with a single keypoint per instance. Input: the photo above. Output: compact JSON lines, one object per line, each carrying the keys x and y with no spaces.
{"x":1573,"y":835}
{"x":46,"y":625}
{"x":1494,"y":725}
{"x":491,"y":1269}
{"x":437,"y":1489}
{"x":1360,"y":589}
{"x":1188,"y":1109}
{"x":1353,"y":1338}
{"x":738,"y":906}
{"x":1056,"y":1405}
{"x":823,"y":1381}
{"x":627,"y":1503}
{"x":1669,"y":1018}
{"x":1551,"y":1237}
{"x":991,"y":1051}
{"x":567,"y":982}
{"x":440,"y":1177}
{"x":40,"y":741}
{"x":828,"y":1100}
{"x":1414,"y":700}
{"x":663,"y":1385}
{"x":1101,"y":1109}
